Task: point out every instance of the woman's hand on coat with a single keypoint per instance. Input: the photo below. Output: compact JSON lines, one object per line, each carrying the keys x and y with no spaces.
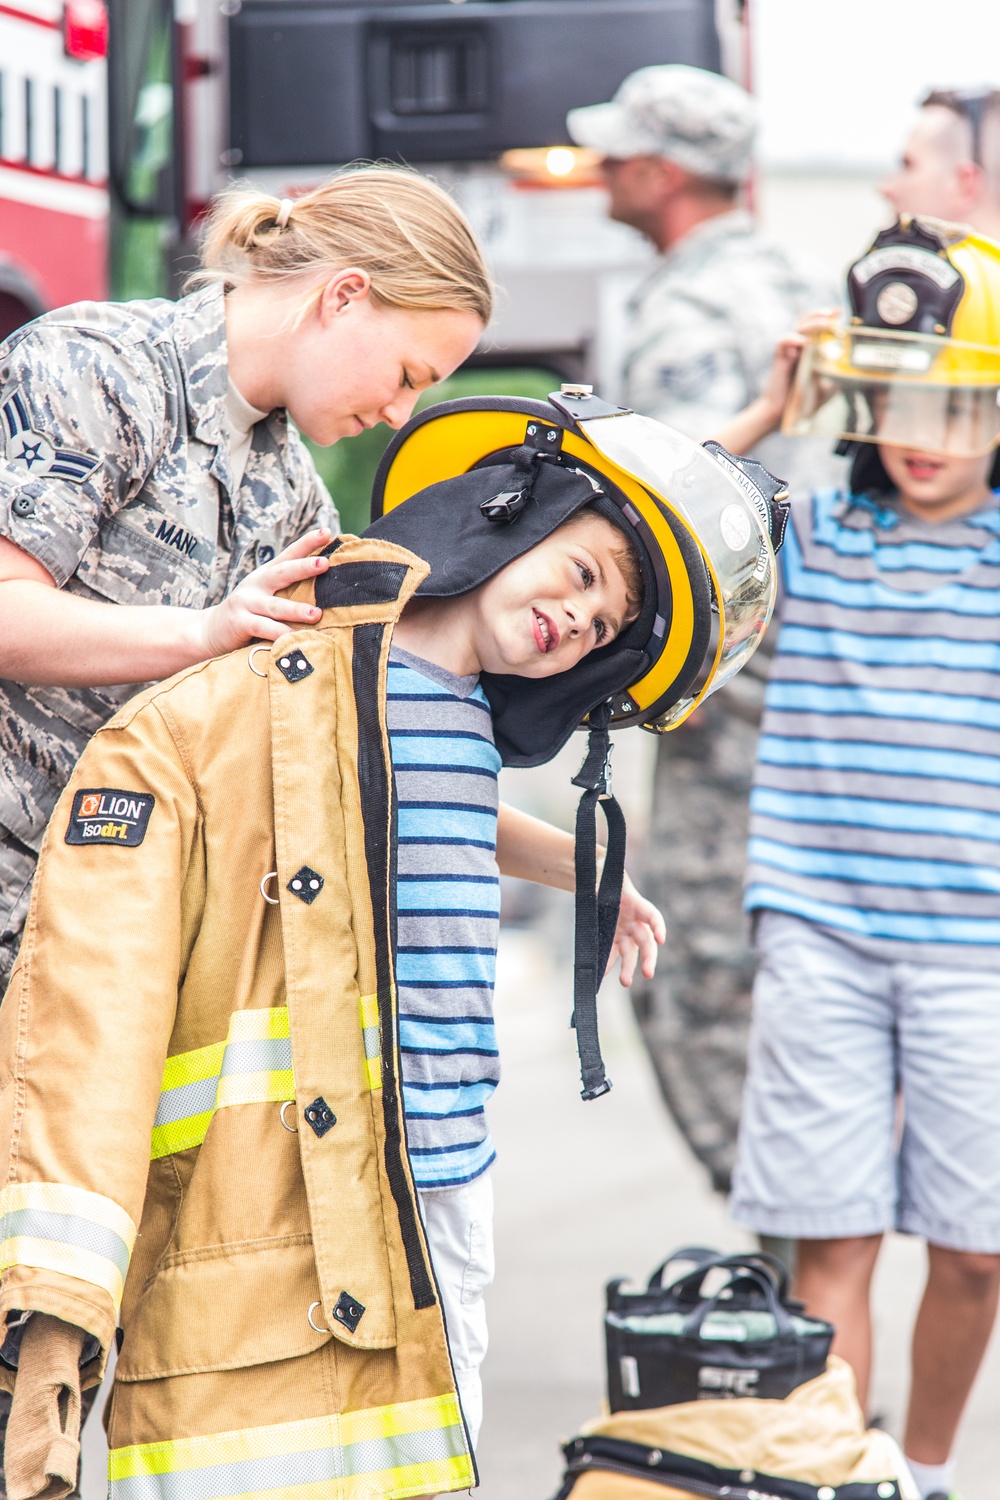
{"x":253,"y":611}
{"x":51,"y":636}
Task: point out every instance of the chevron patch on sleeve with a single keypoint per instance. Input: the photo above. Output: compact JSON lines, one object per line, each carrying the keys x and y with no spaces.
{"x":31,"y":451}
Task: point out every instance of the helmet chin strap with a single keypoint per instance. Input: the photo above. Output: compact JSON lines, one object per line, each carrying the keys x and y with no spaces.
{"x":597,"y":907}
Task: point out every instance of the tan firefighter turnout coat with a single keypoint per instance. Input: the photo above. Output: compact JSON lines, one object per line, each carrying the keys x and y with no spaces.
{"x":199,"y":1100}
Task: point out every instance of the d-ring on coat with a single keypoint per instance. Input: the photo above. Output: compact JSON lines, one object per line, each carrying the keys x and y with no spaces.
{"x":281,"y":1326}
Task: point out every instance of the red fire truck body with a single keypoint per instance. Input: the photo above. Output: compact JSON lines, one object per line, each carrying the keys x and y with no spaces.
{"x":53,"y":157}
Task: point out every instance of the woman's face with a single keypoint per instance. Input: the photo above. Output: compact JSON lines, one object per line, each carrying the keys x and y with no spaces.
{"x":353,"y":362}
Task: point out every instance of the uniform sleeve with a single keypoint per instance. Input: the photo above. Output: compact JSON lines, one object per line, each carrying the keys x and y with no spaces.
{"x":686,"y":368}
{"x":316,"y":506}
{"x":80,"y":419}
{"x":85,"y":1027}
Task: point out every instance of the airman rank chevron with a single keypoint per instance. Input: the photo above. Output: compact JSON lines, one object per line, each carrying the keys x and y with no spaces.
{"x":30,"y":450}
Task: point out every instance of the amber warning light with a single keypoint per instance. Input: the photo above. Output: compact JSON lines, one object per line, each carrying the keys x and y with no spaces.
{"x":85,"y":29}
{"x":553,"y":166}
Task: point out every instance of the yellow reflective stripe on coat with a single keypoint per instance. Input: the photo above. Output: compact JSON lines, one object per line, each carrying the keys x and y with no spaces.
{"x":373,"y":1048}
{"x":55,"y":1227}
{"x":413,"y":1448}
{"x":252,"y":1066}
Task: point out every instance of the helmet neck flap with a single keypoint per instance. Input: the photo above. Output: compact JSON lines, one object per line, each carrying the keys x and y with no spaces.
{"x":468,"y":529}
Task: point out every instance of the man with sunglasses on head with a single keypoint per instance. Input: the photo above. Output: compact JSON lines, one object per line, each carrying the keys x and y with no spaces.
{"x":950,"y":166}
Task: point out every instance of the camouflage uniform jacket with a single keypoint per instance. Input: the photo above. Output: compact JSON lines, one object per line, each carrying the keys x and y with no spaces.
{"x":703,"y":329}
{"x":116,"y":476}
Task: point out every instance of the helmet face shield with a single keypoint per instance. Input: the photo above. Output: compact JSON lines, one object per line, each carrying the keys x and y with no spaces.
{"x":901,"y":389}
{"x":725,"y":512}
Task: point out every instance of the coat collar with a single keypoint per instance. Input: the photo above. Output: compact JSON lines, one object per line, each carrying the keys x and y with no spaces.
{"x":693,"y":251}
{"x":200,"y":340}
{"x":735,"y":224}
{"x":368,"y":582}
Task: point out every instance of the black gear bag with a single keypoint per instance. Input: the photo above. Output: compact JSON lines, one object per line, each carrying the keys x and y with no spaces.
{"x":723,"y":1328}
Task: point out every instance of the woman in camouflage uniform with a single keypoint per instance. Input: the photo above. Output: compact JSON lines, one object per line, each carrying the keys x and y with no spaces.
{"x":154,"y":491}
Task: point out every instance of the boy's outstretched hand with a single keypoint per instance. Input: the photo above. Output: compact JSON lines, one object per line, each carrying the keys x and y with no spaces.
{"x":639,"y":933}
{"x":533,"y":850}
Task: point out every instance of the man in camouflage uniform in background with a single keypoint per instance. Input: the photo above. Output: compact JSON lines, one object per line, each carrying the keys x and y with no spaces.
{"x":116,"y":477}
{"x":676,"y":144}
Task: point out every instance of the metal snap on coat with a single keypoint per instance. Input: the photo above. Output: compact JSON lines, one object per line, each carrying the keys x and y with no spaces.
{"x":199,"y":1096}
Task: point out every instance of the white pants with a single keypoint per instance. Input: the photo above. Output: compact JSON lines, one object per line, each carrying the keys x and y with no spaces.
{"x":458,"y":1222}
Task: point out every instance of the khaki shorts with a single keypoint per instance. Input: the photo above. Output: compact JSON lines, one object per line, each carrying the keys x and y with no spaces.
{"x":872,"y":1099}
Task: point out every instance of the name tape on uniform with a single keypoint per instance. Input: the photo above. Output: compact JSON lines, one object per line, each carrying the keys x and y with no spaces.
{"x":109,"y":815}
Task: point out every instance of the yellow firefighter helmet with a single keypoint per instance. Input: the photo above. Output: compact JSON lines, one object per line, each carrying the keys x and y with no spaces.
{"x":706,"y":523}
{"x":918,"y":366}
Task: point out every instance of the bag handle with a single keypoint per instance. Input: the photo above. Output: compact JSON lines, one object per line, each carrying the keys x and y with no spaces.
{"x":765,"y":1284}
{"x":696,"y":1476}
{"x":697,"y":1253}
{"x":763,"y":1260}
{"x":707,"y":1260}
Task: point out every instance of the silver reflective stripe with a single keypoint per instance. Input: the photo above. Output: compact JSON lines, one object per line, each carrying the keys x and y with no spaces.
{"x":271,"y":1055}
{"x":280,"y":1472}
{"x":411,"y":1448}
{"x":186,"y":1099}
{"x":67,"y":1229}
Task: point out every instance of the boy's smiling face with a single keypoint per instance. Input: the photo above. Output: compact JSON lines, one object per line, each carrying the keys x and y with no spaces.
{"x":937,"y":486}
{"x":546,"y":610}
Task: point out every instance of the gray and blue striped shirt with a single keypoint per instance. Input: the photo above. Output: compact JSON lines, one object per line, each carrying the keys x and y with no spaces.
{"x":448,"y":904}
{"x":876,"y":803}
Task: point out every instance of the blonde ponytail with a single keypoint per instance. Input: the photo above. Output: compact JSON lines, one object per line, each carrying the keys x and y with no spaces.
{"x":404,"y":230}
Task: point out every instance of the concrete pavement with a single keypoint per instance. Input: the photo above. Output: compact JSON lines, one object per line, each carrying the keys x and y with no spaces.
{"x":585,"y":1192}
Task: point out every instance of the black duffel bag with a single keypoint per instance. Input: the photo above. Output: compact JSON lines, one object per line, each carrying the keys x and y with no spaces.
{"x":724,"y":1328}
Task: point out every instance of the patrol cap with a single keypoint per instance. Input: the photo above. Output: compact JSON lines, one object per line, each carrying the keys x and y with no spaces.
{"x":700,"y":120}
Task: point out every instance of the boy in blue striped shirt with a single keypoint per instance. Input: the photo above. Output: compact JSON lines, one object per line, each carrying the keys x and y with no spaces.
{"x":874,"y":858}
{"x":539,"y":616}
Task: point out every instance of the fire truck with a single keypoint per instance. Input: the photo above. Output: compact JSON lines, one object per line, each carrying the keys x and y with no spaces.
{"x":120,"y":118}
{"x":54,"y":204}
